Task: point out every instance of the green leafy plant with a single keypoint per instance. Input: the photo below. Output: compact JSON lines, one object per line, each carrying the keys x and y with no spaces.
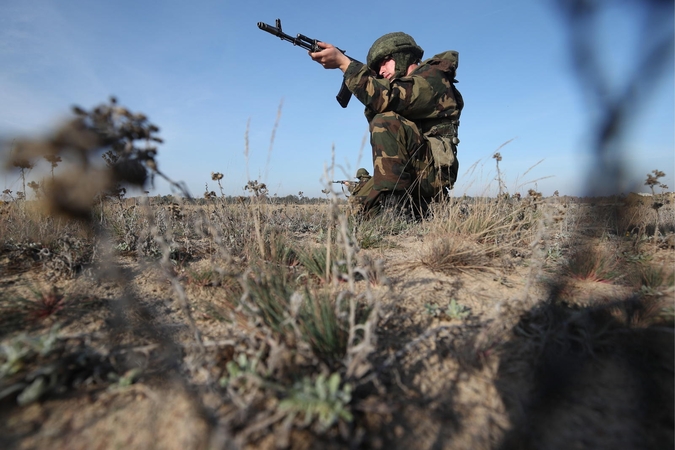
{"x":14,"y":353}
{"x":457,"y":311}
{"x":432,"y":309}
{"x":323,"y":400}
{"x":16,"y":356}
{"x":240,"y":368}
{"x":453,"y":311}
{"x":126,"y":379}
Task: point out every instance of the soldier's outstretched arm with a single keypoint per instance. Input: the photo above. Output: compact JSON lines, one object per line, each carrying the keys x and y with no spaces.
{"x":330,"y":57}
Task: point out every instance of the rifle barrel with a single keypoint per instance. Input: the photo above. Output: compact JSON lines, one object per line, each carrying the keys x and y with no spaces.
{"x":311,"y":45}
{"x":300,"y":40}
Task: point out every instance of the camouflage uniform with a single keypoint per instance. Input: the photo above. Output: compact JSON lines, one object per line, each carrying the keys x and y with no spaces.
{"x":359,"y":190}
{"x":355,"y":187}
{"x":404,"y":116}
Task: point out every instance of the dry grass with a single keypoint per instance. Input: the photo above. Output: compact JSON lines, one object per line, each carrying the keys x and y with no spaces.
{"x":298,"y":327}
{"x":456,"y":254}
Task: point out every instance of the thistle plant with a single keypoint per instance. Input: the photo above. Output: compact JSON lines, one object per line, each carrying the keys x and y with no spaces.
{"x":498,"y":157}
{"x":653,"y":180}
{"x":208,"y":195}
{"x":125,"y":140}
{"x":217,"y":176}
{"x":24,"y":165}
{"x":54,"y":161}
{"x":259,"y":190}
{"x":35,"y":186}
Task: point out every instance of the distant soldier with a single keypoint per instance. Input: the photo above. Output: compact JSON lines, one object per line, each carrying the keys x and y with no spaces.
{"x":360,"y":189}
{"x":362,"y":176}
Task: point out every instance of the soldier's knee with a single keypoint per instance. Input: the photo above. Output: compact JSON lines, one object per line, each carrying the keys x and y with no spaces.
{"x":385,"y":121}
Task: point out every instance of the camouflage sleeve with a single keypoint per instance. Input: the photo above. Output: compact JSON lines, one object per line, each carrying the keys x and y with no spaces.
{"x":415,"y":96}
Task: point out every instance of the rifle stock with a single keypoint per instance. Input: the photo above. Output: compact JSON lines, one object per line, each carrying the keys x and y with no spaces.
{"x":311,"y":45}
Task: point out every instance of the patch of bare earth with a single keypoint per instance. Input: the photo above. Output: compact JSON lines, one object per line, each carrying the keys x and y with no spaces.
{"x":140,"y":416}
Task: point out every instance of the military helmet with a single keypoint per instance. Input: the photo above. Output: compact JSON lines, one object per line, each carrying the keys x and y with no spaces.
{"x":362,"y":173}
{"x":397,"y":42}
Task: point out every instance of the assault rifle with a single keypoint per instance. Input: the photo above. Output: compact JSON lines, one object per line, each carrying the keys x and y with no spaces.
{"x":308,"y":44}
{"x":345,"y":182}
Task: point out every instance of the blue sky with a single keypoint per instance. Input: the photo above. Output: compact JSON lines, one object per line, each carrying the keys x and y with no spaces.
{"x":202,"y":71}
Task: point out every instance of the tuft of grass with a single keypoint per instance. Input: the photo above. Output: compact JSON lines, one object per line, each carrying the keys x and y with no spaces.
{"x":295,"y":313}
{"x":452,"y":254}
{"x":47,"y":303}
{"x":373,"y":232}
{"x":651,"y":279}
{"x":506,"y":223}
{"x":592,"y":264}
{"x":267,"y":297}
{"x":20,"y":310}
{"x":315,"y":260}
{"x":371,"y":238}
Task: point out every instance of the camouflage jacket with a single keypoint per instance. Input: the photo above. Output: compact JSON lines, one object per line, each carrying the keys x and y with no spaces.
{"x":427,"y":96}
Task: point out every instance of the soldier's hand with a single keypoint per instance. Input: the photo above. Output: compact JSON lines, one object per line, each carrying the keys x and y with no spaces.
{"x":330,"y":57}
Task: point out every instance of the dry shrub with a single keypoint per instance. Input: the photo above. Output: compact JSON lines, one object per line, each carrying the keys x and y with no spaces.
{"x":505,"y":222}
{"x":374,"y":232}
{"x":594,"y":263}
{"x":452,"y":254}
{"x":27,"y":221}
{"x":75,"y":193}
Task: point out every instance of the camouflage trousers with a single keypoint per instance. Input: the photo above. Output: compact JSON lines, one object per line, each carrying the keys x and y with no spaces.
{"x":402,"y":162}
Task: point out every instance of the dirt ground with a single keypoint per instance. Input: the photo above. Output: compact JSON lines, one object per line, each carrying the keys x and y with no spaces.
{"x":535,"y":363}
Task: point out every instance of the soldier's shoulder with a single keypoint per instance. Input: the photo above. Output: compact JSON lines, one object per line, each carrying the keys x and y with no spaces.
{"x":448,"y":59}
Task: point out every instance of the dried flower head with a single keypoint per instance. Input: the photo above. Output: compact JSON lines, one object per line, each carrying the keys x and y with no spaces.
{"x":534,"y":194}
{"x":653,"y":178}
{"x":259,"y":189}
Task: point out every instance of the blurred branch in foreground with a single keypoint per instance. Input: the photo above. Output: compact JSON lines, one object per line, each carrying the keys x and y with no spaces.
{"x":652,"y":60}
